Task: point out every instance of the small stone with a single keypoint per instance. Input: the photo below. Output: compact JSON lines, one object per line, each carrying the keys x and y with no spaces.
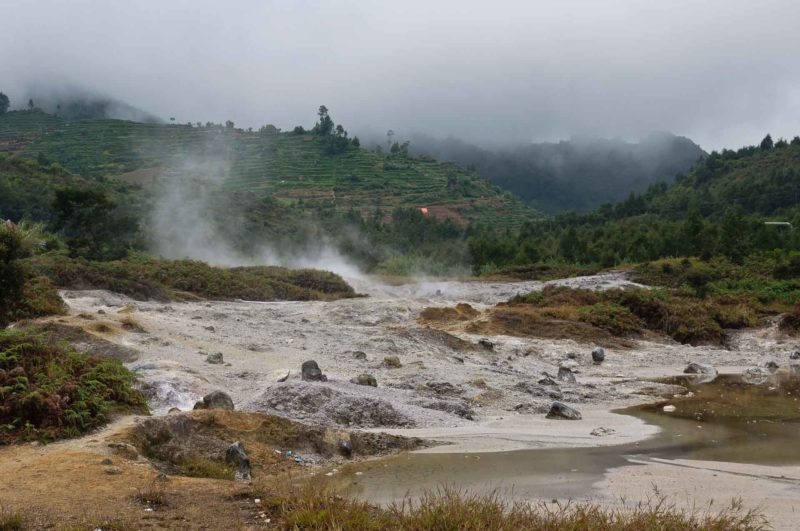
{"x":161,"y":477}
{"x":668,"y":408}
{"x":281,"y":380}
{"x":173,"y":411}
{"x":485,"y":343}
{"x":237,"y":456}
{"x":561,"y":411}
{"x":345,"y":448}
{"x":602,"y":431}
{"x":365,"y":379}
{"x":771,"y":365}
{"x":359,"y":355}
{"x":310,"y":372}
{"x":571,"y":356}
{"x":215,"y":400}
{"x":700,"y":368}
{"x":547,"y":380}
{"x":210,"y":328}
{"x":392,"y":362}
{"x":113,"y":471}
{"x":215,"y":358}
{"x":755,"y":375}
{"x":566,"y":375}
{"x":794,"y":355}
{"x":106,"y":461}
{"x":598,"y":355}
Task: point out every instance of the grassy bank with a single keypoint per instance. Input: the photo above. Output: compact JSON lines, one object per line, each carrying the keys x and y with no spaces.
{"x":49,"y":391}
{"x":143,"y":277}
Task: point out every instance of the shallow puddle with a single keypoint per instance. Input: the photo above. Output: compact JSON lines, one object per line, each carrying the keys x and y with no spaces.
{"x":723,"y":420}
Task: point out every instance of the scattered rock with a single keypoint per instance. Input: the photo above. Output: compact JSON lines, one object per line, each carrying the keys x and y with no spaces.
{"x":311,"y":372}
{"x":215,"y":358}
{"x":602,"y":431}
{"x":700,"y":368}
{"x":365,"y":379}
{"x":794,"y":355}
{"x":215,"y":400}
{"x":547,"y":380}
{"x":392,"y":362}
{"x":566,"y":375}
{"x":771,"y":365}
{"x":538,"y":390}
{"x":571,"y":356}
{"x":559,"y":410}
{"x":280,"y":380}
{"x":106,"y":461}
{"x":485,"y":343}
{"x":113,"y":471}
{"x":359,"y":355}
{"x":346,"y":448}
{"x":237,"y":456}
{"x":210,"y":328}
{"x":669,"y":408}
{"x":598,"y":355}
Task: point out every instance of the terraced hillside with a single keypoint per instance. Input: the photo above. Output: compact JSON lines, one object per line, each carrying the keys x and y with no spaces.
{"x":294,"y":169}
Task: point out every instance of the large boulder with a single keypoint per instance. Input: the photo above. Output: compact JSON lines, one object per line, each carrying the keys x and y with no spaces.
{"x":311,"y":372}
{"x":561,"y":411}
{"x":215,"y":400}
{"x":598,"y":355}
{"x":236,"y":456}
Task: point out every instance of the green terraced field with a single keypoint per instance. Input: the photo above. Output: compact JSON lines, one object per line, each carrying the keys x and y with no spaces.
{"x":293,"y":169}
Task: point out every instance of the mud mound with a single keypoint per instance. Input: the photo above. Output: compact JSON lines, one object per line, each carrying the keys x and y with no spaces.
{"x":194,"y":444}
{"x":461,"y":312}
{"x":320,"y":404}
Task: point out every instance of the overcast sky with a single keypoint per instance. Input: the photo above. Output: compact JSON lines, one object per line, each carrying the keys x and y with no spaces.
{"x":722,"y":72}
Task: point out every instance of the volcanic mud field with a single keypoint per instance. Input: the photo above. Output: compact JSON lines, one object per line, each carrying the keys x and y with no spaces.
{"x":470,"y":398}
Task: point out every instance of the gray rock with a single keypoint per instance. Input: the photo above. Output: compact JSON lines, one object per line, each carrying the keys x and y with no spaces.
{"x":365,"y":379}
{"x":602,"y":431}
{"x":598,"y":355}
{"x":215,"y":400}
{"x":215,"y":358}
{"x":346,"y":448}
{"x":113,"y":471}
{"x":794,"y":355}
{"x":700,"y":368}
{"x":566,"y":375}
{"x":547,"y":380}
{"x":571,"y":356}
{"x":561,"y":411}
{"x":237,"y":456}
{"x":771,"y":365}
{"x":538,"y":390}
{"x":485,"y":343}
{"x":280,"y":380}
{"x":311,"y":372}
{"x":106,"y":461}
{"x":448,"y":406}
{"x":359,"y":355}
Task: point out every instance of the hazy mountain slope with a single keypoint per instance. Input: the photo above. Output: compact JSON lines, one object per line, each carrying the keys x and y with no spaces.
{"x":293,"y":169}
{"x":578,"y":175}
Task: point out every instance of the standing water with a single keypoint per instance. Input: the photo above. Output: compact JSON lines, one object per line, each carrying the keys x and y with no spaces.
{"x":724,"y":420}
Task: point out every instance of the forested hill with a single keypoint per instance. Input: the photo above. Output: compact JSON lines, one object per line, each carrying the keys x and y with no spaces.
{"x":572,"y":175}
{"x":722,"y":207}
{"x":301,"y":169}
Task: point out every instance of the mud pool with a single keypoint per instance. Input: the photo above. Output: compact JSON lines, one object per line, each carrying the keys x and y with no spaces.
{"x":726,"y":420}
